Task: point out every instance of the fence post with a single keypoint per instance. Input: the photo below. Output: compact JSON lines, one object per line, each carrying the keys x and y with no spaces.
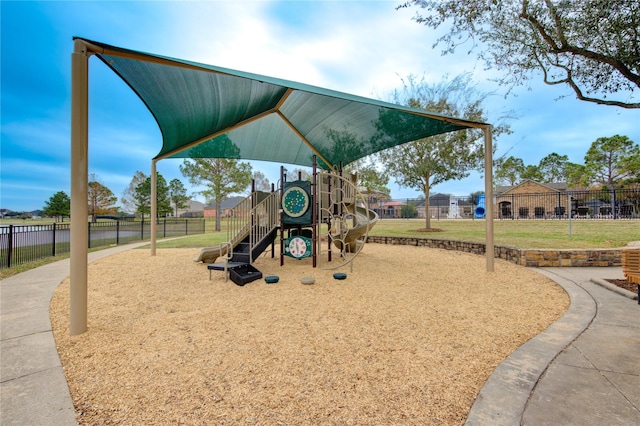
{"x":615,"y":210}
{"x":142,"y":228}
{"x":89,"y":235}
{"x":164,"y":228}
{"x":186,"y":226}
{"x":117,"y":232}
{"x":10,"y":250}
{"x":53,"y":244}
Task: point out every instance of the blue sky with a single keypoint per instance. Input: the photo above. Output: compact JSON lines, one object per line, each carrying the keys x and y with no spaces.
{"x":358,"y":47}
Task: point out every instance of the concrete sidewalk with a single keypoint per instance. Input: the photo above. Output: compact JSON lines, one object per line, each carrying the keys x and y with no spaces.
{"x":583,"y":370}
{"x":33,"y":387}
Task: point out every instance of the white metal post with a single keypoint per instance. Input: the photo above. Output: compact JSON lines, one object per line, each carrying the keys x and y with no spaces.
{"x":79,"y":181}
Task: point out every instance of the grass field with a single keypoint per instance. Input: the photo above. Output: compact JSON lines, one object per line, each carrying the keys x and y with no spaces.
{"x":541,"y":234}
{"x":550,"y":234}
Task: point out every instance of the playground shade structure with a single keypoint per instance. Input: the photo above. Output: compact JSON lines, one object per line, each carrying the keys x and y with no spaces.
{"x":206,"y":111}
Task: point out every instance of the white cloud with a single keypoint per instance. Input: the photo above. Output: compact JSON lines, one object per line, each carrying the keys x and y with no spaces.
{"x":358,"y":47}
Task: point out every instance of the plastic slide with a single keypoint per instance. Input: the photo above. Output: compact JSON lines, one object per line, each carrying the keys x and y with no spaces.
{"x":210,"y":254}
{"x":365,"y":219}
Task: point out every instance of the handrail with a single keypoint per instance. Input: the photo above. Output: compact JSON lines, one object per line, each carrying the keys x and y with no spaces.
{"x":258,"y":222}
{"x":265,"y":216}
{"x":239,"y":222}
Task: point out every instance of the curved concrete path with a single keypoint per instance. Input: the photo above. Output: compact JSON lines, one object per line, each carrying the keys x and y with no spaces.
{"x":583,"y":370}
{"x":33,"y":387}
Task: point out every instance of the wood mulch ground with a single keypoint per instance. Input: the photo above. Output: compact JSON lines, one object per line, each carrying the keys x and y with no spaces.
{"x":625,"y":284}
{"x":409,"y":337}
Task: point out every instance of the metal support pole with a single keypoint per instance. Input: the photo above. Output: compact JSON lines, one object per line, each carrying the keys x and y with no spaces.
{"x":79,"y":182}
{"x":488,"y":190}
{"x":314,"y":214}
{"x":283,"y":177}
{"x":154,"y":207}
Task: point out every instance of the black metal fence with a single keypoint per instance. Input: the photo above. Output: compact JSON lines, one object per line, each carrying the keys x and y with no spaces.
{"x":603,"y":204}
{"x":26,"y":243}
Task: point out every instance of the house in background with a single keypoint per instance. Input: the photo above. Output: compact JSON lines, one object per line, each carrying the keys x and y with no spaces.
{"x":225,"y":207}
{"x":193,"y":209}
{"x":532,"y":200}
{"x":392,"y":209}
{"x":440,"y":206}
{"x":373,"y":200}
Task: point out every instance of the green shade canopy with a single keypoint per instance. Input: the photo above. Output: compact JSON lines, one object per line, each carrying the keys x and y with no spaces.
{"x":205,"y":111}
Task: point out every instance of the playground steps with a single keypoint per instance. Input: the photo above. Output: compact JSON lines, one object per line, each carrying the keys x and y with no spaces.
{"x":240,"y":269}
{"x":239,"y":272}
{"x":243,"y":252}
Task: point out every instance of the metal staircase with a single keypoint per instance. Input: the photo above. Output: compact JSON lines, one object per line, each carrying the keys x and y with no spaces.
{"x":252,"y":226}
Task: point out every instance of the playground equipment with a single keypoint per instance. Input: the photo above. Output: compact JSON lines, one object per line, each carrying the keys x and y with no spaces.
{"x":252,"y":226}
{"x":297,"y":212}
{"x":454,"y":213}
{"x":331,"y":200}
{"x":479,"y":212}
{"x":347,"y":223}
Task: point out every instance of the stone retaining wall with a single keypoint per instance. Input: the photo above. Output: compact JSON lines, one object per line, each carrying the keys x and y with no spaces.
{"x":524,"y":257}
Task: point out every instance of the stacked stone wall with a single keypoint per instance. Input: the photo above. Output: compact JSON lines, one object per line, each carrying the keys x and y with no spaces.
{"x":524,"y":257}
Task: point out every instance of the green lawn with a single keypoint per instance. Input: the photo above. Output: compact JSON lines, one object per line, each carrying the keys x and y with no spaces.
{"x":551,"y":234}
{"x":543,"y":234}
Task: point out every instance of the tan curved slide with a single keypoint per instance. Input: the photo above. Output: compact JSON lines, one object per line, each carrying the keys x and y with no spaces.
{"x":365,"y":219}
{"x":210,"y":254}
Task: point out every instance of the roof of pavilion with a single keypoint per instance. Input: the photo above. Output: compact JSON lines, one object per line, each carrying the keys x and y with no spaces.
{"x":205,"y":111}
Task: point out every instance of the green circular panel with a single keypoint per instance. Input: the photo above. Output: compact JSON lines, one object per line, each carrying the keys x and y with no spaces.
{"x":295,"y":202}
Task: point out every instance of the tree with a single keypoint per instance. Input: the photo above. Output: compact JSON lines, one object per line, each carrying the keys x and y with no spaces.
{"x":509,"y":170}
{"x":142,"y":196}
{"x":58,"y":206}
{"x":100,"y":198}
{"x":221,"y":176}
{"x":611,"y":161}
{"x":531,"y":171}
{"x":262,"y":183}
{"x":370,"y":178}
{"x":427,"y":162}
{"x":303,"y":174}
{"x":575,"y":175}
{"x":589,"y":45}
{"x":553,"y":168}
{"x":178,"y":195}
{"x":128,"y":198}
{"x":409,"y":210}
